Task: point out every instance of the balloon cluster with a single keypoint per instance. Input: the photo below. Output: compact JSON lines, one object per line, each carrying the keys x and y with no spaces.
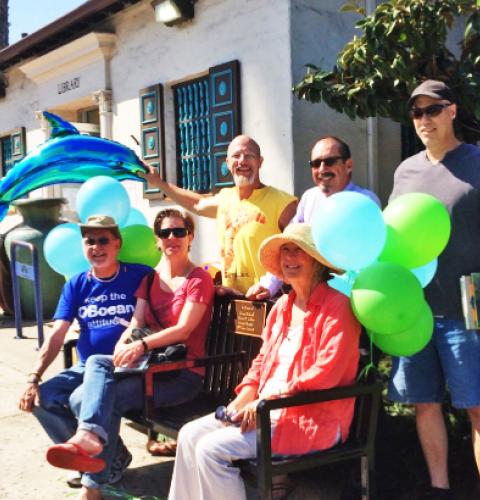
{"x":388,"y":258}
{"x":106,"y":196}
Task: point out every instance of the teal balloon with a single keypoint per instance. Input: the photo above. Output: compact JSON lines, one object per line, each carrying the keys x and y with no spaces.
{"x":63,"y":250}
{"x":103,"y":195}
{"x":418,"y":229}
{"x":139,"y":246}
{"x":343,"y":282}
{"x":348,"y":230}
{"x":136,"y":217}
{"x":426,"y":273}
{"x":409,"y":341}
{"x":386,"y":298}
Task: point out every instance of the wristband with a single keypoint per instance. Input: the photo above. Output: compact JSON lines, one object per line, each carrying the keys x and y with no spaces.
{"x":35,"y":380}
{"x":145,"y":346}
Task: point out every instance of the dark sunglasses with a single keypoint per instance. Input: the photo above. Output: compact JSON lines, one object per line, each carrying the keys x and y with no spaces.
{"x":102,"y":241}
{"x":431,"y":111}
{"x":178,"y":232}
{"x":222,"y":415}
{"x":329,"y":162}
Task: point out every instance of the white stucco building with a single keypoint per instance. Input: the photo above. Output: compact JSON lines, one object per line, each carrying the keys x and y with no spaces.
{"x":111,"y":68}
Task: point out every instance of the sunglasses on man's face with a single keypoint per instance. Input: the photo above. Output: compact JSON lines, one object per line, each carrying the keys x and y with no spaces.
{"x":430,"y":111}
{"x":328,"y":162}
{"x":102,"y":241}
{"x":178,"y":232}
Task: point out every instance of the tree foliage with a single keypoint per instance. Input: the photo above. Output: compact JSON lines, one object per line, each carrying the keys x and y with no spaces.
{"x":402,"y":43}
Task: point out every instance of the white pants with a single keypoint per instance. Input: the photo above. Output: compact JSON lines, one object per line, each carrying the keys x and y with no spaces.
{"x":203,"y":465}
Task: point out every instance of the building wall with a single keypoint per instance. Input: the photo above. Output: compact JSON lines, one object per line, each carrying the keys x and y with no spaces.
{"x":254,"y":32}
{"x":318,"y":32}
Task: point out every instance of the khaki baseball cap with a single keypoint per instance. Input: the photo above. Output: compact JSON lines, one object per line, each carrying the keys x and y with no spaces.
{"x":100,"y":222}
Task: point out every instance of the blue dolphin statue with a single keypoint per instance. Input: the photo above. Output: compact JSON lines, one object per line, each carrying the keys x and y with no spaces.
{"x":68,"y":156}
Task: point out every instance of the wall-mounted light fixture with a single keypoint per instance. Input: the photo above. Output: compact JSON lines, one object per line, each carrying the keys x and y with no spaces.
{"x":172,"y":12}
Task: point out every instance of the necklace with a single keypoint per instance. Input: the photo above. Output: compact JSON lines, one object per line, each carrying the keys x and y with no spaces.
{"x":110,"y":278}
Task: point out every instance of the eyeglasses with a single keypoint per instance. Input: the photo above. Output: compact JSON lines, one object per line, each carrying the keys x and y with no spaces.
{"x":178,"y":232}
{"x":102,"y":241}
{"x":430,"y":111}
{"x":329,"y":162}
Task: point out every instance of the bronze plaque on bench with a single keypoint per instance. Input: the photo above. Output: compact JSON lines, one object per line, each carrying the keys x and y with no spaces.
{"x":249,"y":317}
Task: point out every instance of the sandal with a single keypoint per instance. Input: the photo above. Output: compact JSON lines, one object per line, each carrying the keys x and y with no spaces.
{"x":162,"y":449}
{"x":282,"y":487}
{"x":71,"y":456}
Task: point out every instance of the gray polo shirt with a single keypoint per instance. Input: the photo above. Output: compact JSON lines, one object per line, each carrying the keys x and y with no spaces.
{"x":455,"y":181}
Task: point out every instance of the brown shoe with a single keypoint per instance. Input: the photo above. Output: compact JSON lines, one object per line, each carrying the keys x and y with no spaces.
{"x":162,"y":449}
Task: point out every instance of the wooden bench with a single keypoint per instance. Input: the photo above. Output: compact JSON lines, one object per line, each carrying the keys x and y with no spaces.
{"x":232,"y":343}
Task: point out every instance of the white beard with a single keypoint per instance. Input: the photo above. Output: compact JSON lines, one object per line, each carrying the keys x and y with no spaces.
{"x":241,"y":180}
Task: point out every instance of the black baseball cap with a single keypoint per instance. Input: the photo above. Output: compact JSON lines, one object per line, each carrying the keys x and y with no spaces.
{"x":432,"y":88}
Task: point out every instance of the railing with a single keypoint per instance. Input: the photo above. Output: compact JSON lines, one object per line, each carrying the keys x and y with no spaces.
{"x":32,"y":273}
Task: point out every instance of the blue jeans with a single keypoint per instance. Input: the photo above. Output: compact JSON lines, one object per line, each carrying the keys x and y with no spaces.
{"x":54,"y":413}
{"x":103,"y":399}
{"x":451,"y":358}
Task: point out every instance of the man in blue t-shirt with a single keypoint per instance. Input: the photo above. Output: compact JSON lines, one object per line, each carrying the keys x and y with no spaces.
{"x":102,"y":301}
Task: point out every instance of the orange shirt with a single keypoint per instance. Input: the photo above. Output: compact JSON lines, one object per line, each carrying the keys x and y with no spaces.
{"x":327,"y":357}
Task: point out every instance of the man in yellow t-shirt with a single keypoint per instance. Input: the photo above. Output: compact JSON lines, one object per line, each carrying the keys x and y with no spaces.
{"x":247,"y":213}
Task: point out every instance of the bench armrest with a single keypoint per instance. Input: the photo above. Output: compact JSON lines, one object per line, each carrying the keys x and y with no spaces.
{"x":180,"y":365}
{"x":263,"y":422}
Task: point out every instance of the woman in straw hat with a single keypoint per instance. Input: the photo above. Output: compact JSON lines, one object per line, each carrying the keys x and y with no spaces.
{"x":310,"y":342}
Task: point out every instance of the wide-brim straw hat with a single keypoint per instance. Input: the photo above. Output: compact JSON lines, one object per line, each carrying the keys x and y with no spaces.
{"x":301,"y":235}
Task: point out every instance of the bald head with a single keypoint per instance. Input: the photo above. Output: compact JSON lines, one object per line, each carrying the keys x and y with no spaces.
{"x":244,"y":162}
{"x":245,"y":141}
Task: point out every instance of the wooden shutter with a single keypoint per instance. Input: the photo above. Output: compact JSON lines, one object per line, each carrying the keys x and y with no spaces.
{"x":152,"y":134}
{"x":225,"y":119}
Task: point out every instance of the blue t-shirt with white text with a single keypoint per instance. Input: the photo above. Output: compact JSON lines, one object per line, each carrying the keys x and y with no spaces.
{"x":98,"y":305}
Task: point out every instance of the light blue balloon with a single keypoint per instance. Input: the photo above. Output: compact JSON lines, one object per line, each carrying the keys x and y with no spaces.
{"x":136,"y":218}
{"x":63,"y":250}
{"x":343,"y":282}
{"x":426,"y":273}
{"x":102,"y":195}
{"x":348,"y":230}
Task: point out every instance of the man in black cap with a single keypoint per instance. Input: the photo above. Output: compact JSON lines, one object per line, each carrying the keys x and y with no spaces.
{"x":449,"y":170}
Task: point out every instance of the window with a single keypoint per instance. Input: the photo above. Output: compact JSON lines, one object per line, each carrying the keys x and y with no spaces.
{"x":192,"y":133}
{"x":206,"y":118}
{"x":12,"y":149}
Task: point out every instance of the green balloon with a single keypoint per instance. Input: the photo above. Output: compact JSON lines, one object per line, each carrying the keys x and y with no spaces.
{"x":418,"y":229}
{"x":386,"y":298}
{"x":411,"y":340}
{"x":139,"y":246}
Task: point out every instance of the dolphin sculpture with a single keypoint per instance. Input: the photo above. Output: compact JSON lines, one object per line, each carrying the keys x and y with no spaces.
{"x":67,"y":156}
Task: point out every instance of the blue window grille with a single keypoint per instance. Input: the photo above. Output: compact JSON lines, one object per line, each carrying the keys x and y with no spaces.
{"x":192,"y":122}
{"x":7,"y":158}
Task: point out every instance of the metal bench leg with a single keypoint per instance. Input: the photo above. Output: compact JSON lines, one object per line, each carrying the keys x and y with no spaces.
{"x":367,"y":478}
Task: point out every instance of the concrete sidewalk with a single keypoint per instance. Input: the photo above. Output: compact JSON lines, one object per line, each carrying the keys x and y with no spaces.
{"x":25,"y":474}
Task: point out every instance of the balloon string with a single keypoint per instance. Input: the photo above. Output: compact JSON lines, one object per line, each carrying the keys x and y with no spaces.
{"x":369,"y":366}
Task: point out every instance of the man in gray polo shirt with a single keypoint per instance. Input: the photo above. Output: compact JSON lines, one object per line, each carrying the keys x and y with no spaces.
{"x":449,"y":170}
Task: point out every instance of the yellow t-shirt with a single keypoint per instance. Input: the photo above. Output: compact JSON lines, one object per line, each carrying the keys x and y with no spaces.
{"x":242,"y":226}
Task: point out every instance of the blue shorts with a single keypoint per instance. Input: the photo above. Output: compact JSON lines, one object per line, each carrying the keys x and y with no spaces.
{"x":451,"y":359}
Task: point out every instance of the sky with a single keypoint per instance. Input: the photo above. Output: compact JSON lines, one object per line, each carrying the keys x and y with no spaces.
{"x":27,"y":16}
